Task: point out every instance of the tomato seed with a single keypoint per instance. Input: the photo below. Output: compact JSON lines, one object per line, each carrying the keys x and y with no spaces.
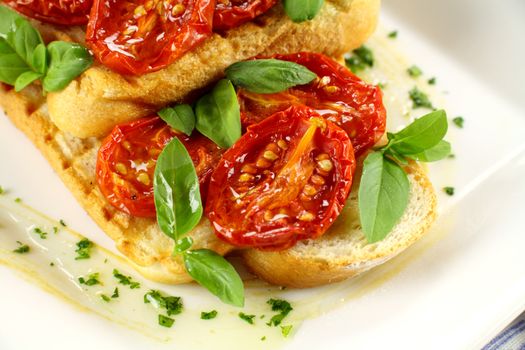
{"x":282,"y":144}
{"x":306,"y":216}
{"x":245,"y":177}
{"x":269,"y":155}
{"x":325,"y":165}
{"x":143,"y":178}
{"x":121,"y":168}
{"x":318,"y":180}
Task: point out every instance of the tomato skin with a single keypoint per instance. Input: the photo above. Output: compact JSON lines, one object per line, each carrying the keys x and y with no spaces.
{"x":142,"y":36}
{"x":61,"y":12}
{"x":132,"y":149}
{"x":271,"y":205}
{"x":229,"y":14}
{"x":337,"y":94}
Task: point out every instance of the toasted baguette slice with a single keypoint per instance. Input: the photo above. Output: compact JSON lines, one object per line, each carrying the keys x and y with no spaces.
{"x":74,"y":160}
{"x":100,"y":98}
{"x":343,"y":251}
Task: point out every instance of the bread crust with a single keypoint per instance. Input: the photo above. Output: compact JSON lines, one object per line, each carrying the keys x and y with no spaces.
{"x":100,"y":98}
{"x":310,"y":263}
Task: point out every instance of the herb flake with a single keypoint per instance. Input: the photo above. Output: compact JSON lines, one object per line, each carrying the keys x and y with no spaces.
{"x":40,"y":232}
{"x":283,"y":307}
{"x":115,"y":293}
{"x":166,"y":321}
{"x":449,"y":190}
{"x":91,"y":280}
{"x":414,"y":71}
{"x":420,"y":99}
{"x":361,"y":58}
{"x":208,"y":315}
{"x":24,"y":248}
{"x":125,"y":280}
{"x":459,"y":122}
{"x":247,"y":318}
{"x":172,"y":305}
{"x":285,"y":330}
{"x":393,"y":34}
{"x":83,"y":249}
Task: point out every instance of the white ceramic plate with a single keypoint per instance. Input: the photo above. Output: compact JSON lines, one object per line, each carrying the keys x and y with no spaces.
{"x":455,"y":289}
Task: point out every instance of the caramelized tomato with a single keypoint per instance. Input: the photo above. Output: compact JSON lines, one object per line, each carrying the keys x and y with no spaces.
{"x":63,"y":12}
{"x":232,"y":13}
{"x":126,"y":163}
{"x":285,"y":180}
{"x":336,"y":94}
{"x":142,"y":36}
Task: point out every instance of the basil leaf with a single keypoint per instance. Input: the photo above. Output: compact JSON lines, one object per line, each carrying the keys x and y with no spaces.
{"x":383,"y":196}
{"x":176,"y":191}
{"x":302,"y":10}
{"x":438,"y":152}
{"x":25,"y":79}
{"x":424,"y":133}
{"x":267,"y":76}
{"x":11,"y":65}
{"x":40,"y":59}
{"x":218,"y":115}
{"x":24,"y":40}
{"x":180,"y":118}
{"x":8,"y":22}
{"x":216,"y":274}
{"x":68,"y":60}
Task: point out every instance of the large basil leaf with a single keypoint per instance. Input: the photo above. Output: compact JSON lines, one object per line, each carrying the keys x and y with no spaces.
{"x":8,"y":22}
{"x":267,"y":76}
{"x":383,"y":196}
{"x":24,"y":40}
{"x":302,"y":10}
{"x":68,"y":60}
{"x":176,"y":191}
{"x":424,"y":133}
{"x":438,"y":152}
{"x":180,"y":117}
{"x":216,"y":274}
{"x":11,"y":65}
{"x":25,"y":79}
{"x":218,"y":115}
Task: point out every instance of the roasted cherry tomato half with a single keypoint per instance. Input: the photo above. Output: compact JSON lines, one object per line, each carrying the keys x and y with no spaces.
{"x":63,"y":12}
{"x":127,"y":158}
{"x":285,"y":180}
{"x":336,"y":94}
{"x":232,"y":13}
{"x":142,"y":36}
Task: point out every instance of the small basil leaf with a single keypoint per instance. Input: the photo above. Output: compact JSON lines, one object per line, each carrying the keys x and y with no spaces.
{"x":218,"y":115}
{"x":438,"y":152}
{"x":40,"y":59}
{"x":179,"y":117}
{"x":68,"y":61}
{"x":25,"y":79}
{"x":8,"y":22}
{"x":383,"y":196}
{"x":216,"y":274}
{"x":267,"y":76}
{"x":24,"y":40}
{"x":302,"y":10}
{"x":176,"y":191}
{"x":424,"y":133}
{"x":11,"y":65}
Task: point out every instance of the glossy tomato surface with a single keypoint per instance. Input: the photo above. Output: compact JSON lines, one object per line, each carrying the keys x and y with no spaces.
{"x":62,"y":12}
{"x":142,"y":36}
{"x":336,"y":94}
{"x":232,"y":13}
{"x":127,"y":158}
{"x":286,"y":179}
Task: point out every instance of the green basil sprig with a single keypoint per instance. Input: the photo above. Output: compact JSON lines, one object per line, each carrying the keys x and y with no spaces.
{"x":268,"y":76}
{"x":179,"y":117}
{"x":302,"y":10}
{"x":384,"y":187}
{"x":24,"y":57}
{"x":179,"y":210}
{"x":218,"y":115}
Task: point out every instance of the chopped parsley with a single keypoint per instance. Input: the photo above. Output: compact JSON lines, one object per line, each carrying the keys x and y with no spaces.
{"x":361,"y":58}
{"x":105,"y":298}
{"x":1,"y":190}
{"x":459,"y":121}
{"x":432,"y":81}
{"x":51,"y":264}
{"x":18,"y":200}
{"x":263,"y":338}
{"x":420,"y":99}
{"x":247,"y":318}
{"x":172,"y":305}
{"x":452,"y":155}
{"x":62,"y":222}
{"x":24,"y":248}
{"x":166,"y":321}
{"x":38,"y":231}
{"x":449,"y":190}
{"x":55,"y":230}
{"x":283,"y":307}
{"x":392,"y":34}
{"x":208,"y":315}
{"x":83,"y":249}
{"x":285,"y":330}
{"x":115,"y":293}
{"x":91,"y":280}
{"x":414,"y":71}
{"x":125,"y":280}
